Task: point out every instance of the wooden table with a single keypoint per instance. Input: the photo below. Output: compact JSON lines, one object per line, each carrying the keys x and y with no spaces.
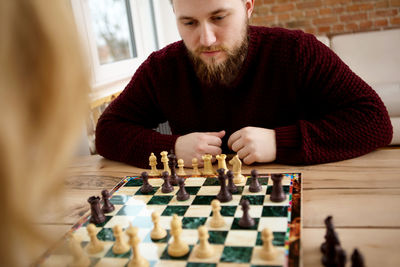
{"x":362,"y":195}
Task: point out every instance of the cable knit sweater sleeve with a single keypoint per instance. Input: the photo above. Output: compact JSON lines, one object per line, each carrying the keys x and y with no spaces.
{"x":346,"y":117}
{"x":125,"y":132}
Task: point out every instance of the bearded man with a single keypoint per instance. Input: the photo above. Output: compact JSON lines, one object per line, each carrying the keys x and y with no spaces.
{"x":268,"y":94}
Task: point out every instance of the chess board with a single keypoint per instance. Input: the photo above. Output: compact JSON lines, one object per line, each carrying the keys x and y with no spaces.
{"x":231,"y":243}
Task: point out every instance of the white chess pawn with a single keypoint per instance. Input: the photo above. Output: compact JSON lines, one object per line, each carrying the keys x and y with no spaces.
{"x":221,"y":162}
{"x":195,"y":165}
{"x":131,"y":232}
{"x":153,"y":165}
{"x":217,"y":220}
{"x":181,"y":170}
{"x":120,"y":245}
{"x":137,"y":259}
{"x":95,"y":245}
{"x":238,"y":178}
{"x":208,"y":168}
{"x":203,"y":250}
{"x":80,"y":259}
{"x":268,"y":251}
{"x":164,"y":160}
{"x":177,"y":248}
{"x":158,"y":232}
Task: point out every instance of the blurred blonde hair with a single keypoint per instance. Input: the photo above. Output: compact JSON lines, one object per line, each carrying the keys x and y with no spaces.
{"x":43,"y":100}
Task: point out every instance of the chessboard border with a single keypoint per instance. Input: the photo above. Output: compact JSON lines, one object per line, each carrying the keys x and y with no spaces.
{"x":291,"y":260}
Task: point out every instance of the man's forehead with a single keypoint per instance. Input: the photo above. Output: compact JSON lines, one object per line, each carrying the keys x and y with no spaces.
{"x":196,"y":8}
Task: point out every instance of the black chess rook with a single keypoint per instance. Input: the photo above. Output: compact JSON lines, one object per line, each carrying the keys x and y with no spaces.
{"x":97,"y":215}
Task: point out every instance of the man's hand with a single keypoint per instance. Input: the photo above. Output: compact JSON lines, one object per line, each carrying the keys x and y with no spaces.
{"x":195,"y":145}
{"x":254,"y":144}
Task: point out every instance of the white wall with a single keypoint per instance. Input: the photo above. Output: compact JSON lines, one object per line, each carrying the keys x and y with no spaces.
{"x":166,"y":23}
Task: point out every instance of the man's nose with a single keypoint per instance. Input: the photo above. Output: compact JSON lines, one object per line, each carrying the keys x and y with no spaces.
{"x":207,"y":35}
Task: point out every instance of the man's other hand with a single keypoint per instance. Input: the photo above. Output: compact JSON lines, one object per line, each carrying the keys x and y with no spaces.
{"x":254,"y":144}
{"x":195,"y":145}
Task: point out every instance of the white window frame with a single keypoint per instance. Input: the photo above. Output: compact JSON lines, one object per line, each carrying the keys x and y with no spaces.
{"x":107,"y":74}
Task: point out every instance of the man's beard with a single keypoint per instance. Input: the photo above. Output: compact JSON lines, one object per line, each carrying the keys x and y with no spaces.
{"x":223,"y":73}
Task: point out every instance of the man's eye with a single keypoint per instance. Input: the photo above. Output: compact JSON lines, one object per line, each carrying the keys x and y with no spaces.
{"x":218,"y":18}
{"x":188,"y":23}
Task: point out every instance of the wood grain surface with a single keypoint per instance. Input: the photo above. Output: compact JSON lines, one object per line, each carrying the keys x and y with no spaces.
{"x":362,"y":195}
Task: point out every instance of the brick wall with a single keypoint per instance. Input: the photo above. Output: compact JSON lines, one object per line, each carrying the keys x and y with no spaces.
{"x":328,"y":17}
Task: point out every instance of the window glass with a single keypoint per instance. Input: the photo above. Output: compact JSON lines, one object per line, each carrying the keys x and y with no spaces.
{"x":112,"y":25}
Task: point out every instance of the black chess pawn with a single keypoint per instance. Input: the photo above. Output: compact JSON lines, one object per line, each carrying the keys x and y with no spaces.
{"x":107,"y":205}
{"x":357,"y":259}
{"x":231,"y":186}
{"x":255,"y":184}
{"x":97,"y":215}
{"x":182,"y":194}
{"x":246,"y":221}
{"x":329,"y":257}
{"x":166,"y":186}
{"x":277,"y":194}
{"x":146,"y":187}
{"x":174,"y":178}
{"x":340,"y":257}
{"x":330,"y":231}
{"x":224,"y":195}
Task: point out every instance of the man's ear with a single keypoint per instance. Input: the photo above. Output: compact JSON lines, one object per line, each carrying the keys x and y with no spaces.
{"x":249,"y":7}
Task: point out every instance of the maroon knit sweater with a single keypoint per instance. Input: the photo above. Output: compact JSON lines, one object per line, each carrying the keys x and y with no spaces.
{"x":290,"y":82}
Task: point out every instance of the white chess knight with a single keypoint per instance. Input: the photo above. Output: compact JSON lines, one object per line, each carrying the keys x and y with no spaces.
{"x":238,"y":178}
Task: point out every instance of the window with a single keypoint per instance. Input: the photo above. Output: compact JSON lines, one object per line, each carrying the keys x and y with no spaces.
{"x":118,"y":34}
